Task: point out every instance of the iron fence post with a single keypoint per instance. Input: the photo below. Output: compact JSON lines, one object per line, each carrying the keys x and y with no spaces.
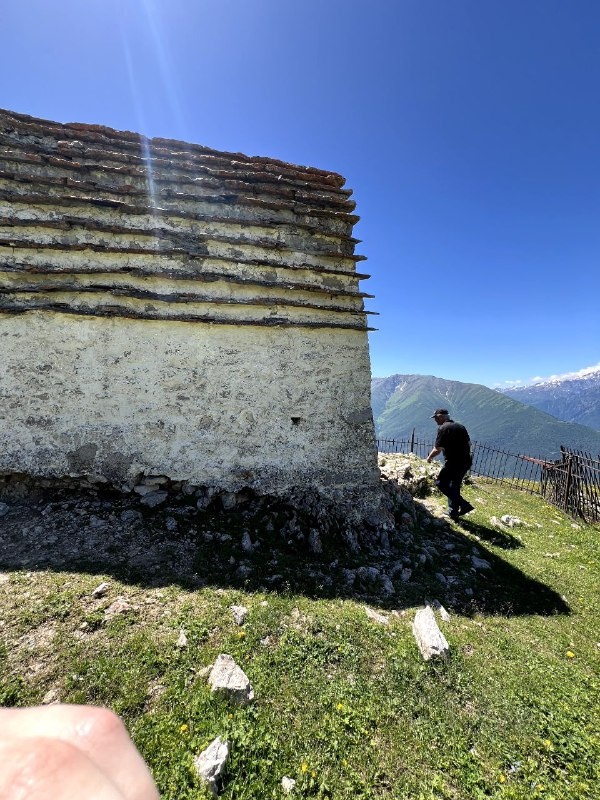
{"x":568,"y":482}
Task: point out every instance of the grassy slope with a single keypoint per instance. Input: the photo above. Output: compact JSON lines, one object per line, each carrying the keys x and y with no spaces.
{"x":490,"y":416}
{"x":343,"y":704}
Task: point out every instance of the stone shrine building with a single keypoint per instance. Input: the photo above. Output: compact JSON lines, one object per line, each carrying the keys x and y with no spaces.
{"x":171,"y":310}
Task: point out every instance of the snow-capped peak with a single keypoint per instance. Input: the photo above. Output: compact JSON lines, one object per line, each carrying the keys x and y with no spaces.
{"x":587,"y":373}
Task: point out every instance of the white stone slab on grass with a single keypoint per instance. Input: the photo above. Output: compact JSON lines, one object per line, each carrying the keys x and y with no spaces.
{"x":430,"y":639}
{"x":211,"y":762}
{"x":225,"y":676}
{"x":239,"y":614}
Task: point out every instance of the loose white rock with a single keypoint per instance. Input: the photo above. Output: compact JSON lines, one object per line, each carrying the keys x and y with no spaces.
{"x":430,"y":639}
{"x":4,"y":509}
{"x":100,"y":590}
{"x":211,"y":762}
{"x":239,"y":614}
{"x":50,"y":698}
{"x":435,"y":604}
{"x":511,"y":522}
{"x":287,"y":784}
{"x":246,"y":542}
{"x":182,"y":641}
{"x":225,"y":676}
{"x":480,"y":563}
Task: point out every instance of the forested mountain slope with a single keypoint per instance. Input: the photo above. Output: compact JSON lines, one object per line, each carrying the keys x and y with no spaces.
{"x":403,"y":402}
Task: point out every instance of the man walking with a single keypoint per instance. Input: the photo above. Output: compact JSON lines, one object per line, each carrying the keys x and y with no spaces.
{"x":453,"y":441}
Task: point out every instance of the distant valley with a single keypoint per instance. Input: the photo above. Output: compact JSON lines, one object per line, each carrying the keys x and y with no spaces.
{"x":402,"y":403}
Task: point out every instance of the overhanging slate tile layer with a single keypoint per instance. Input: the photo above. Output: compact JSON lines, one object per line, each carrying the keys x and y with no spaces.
{"x":99,"y":222}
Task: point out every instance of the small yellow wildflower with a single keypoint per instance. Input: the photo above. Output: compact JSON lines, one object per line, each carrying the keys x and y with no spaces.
{"x":313,"y":774}
{"x":241,"y":634}
{"x":340,"y":706}
{"x":548,"y":744}
{"x":230,"y":716}
{"x":570,"y":654}
{"x":183,"y":728}
{"x":502,"y":778}
{"x":304,"y":767}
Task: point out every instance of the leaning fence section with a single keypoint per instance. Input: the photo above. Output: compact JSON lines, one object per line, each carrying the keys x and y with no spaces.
{"x":571,"y":483}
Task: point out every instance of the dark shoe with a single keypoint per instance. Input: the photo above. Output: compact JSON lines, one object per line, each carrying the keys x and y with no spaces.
{"x":466,"y":509}
{"x":454,"y":517}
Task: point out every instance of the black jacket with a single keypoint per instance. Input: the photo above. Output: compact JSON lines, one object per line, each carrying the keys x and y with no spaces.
{"x":454,"y":438}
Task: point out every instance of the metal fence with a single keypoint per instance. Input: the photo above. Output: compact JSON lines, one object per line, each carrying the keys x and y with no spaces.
{"x":572,"y":483}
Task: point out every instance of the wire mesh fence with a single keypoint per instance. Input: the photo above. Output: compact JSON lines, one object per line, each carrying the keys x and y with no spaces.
{"x":572,"y":483}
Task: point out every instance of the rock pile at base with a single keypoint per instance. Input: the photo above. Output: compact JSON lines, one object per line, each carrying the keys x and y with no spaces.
{"x":306,"y":519}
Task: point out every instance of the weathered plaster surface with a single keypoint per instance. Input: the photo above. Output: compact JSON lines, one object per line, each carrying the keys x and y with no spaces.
{"x":212,"y":404}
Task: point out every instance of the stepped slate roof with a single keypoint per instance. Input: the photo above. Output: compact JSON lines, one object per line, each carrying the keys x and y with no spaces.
{"x":111,"y":223}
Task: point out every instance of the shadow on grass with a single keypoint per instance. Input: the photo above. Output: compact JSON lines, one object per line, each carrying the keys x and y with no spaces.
{"x":246,"y":551}
{"x":494,"y":536}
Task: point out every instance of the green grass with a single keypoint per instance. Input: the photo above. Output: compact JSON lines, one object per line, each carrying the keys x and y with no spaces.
{"x":344,"y":705}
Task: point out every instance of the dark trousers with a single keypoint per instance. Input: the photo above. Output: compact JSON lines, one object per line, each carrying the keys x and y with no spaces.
{"x":448,"y":482}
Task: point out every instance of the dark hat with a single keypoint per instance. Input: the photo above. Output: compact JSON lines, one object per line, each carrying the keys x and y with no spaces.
{"x":440,"y":412}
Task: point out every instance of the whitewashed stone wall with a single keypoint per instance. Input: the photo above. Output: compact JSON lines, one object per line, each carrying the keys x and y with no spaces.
{"x":169,"y":310}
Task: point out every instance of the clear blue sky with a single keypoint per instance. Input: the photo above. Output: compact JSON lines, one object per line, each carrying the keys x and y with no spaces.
{"x":469,"y":131}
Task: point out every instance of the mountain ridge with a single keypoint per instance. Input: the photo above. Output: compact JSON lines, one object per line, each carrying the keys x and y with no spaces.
{"x":573,"y":398}
{"x":404,"y":402}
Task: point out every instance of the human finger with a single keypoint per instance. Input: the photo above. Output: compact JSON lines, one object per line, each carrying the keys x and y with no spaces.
{"x":97,"y":732}
{"x":38,"y":768}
